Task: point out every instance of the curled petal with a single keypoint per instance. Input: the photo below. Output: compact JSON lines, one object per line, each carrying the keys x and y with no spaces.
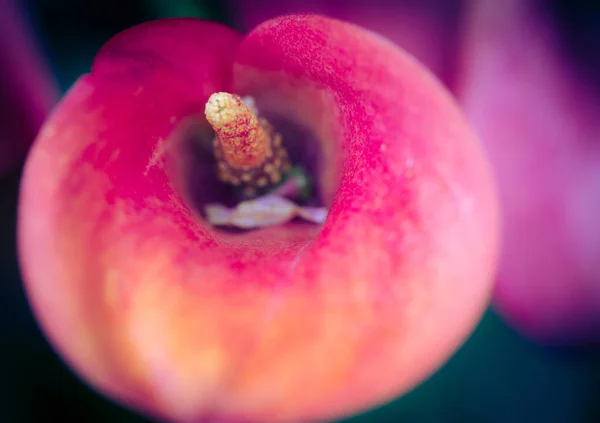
{"x":95,"y":189}
{"x":408,"y":190}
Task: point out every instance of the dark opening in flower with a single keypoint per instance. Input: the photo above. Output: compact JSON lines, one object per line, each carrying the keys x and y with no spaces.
{"x":241,"y":175}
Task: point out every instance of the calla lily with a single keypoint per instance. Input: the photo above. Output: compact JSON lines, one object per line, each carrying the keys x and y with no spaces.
{"x":27,"y":91}
{"x":507,"y":64}
{"x":158,"y":309}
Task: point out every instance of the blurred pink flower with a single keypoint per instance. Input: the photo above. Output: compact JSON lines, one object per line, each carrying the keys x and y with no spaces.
{"x":27,"y":90}
{"x":539,"y":124}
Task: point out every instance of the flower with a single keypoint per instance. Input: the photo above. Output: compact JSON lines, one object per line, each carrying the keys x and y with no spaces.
{"x":293,"y":322}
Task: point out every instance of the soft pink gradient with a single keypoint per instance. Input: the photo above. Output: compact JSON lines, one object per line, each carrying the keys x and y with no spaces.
{"x":27,"y":90}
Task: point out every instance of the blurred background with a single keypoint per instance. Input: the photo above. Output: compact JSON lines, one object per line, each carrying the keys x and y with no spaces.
{"x":498,"y":376}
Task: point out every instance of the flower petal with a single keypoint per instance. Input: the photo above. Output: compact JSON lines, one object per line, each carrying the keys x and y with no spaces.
{"x":427,"y":29}
{"x":95,"y":179}
{"x":409,"y":189}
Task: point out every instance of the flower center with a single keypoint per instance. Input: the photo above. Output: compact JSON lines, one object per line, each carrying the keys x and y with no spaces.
{"x":249,"y":152}
{"x":241,"y":176}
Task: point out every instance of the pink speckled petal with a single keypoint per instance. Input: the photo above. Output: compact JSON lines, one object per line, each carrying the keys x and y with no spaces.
{"x":407,"y":184}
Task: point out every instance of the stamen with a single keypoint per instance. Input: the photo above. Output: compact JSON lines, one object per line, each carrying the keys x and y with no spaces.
{"x":249,"y":152}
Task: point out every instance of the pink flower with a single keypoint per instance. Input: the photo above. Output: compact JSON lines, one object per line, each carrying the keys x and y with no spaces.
{"x":539,"y":123}
{"x":293,"y":322}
